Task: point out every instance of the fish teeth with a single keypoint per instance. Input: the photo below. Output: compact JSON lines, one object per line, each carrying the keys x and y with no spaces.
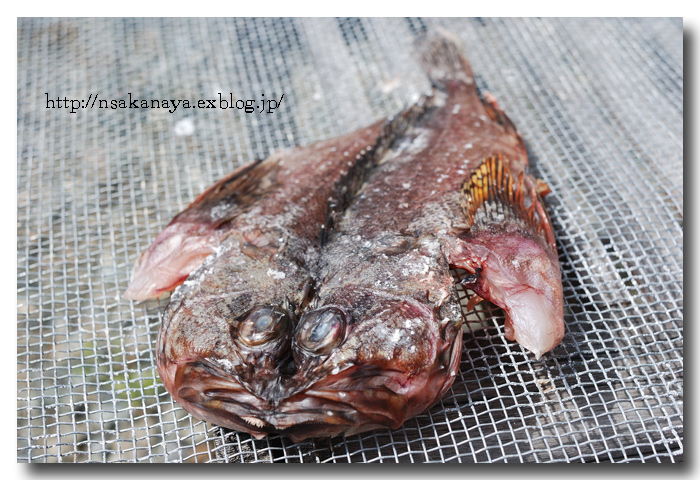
{"x":256,"y":422}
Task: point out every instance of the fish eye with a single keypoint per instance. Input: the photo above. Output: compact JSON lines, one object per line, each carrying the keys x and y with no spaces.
{"x":263,"y":324}
{"x":321,"y":330}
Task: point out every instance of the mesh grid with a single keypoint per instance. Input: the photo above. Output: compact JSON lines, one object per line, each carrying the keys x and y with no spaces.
{"x":598,"y":101}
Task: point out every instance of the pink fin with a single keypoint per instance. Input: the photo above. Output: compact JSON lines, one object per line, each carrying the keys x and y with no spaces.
{"x":177,"y":251}
{"x":510,"y":247}
{"x":195,"y":232}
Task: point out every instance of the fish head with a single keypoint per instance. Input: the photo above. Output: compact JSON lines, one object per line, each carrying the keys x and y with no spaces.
{"x":226,"y":369}
{"x":340,"y":368}
{"x":367,"y":362}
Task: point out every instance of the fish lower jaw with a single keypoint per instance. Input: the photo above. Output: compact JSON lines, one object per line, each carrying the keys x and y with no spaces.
{"x":214,"y":395}
{"x":298,"y":418}
{"x":255,"y":421}
{"x":259,"y":424}
{"x":327,"y":410}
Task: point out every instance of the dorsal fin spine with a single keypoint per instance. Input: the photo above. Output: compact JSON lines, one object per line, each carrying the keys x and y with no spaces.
{"x":492,"y":181}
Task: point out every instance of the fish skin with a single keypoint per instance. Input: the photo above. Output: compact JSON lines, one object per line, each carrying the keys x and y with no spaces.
{"x":380,"y":340}
{"x":387,"y":263}
{"x":195,"y":232}
{"x":268,"y":188}
{"x":264,"y":264}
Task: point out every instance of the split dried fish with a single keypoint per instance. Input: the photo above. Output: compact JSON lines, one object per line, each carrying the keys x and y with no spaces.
{"x":343,"y":317}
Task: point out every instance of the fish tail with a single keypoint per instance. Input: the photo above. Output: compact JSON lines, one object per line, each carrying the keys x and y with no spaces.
{"x":511,"y":253}
{"x":443,"y":59}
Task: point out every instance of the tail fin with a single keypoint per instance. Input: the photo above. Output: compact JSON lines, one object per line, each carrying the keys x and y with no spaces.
{"x":443,"y":60}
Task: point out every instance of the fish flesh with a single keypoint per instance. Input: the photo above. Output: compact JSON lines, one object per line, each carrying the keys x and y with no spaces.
{"x":362,"y":328}
{"x":254,"y":197}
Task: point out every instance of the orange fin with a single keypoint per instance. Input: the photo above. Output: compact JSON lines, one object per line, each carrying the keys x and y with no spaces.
{"x":500,"y":117}
{"x":511,"y":250}
{"x":492,"y":194}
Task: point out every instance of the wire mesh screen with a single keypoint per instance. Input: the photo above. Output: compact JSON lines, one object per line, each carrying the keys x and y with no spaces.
{"x":598,"y":101}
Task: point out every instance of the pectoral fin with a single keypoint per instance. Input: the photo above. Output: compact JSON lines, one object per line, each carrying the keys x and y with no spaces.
{"x":510,"y":250}
{"x":195,"y":232}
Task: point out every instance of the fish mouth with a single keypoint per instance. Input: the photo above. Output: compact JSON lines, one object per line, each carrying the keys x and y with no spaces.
{"x":352,"y":401}
{"x":348,"y":390}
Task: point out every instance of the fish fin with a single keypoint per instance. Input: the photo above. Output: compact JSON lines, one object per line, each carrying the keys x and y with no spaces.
{"x":542,"y":188}
{"x":493,"y":189}
{"x":441,"y":56}
{"x":166,"y":263}
{"x":499,"y":116}
{"x":510,"y":251}
{"x":192,"y":235}
{"x":221,"y":183}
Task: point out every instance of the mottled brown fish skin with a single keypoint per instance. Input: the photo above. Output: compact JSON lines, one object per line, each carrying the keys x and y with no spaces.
{"x":231,"y":320}
{"x":262,"y":259}
{"x":278,"y":334}
{"x":273,"y":187}
{"x":386,"y":265}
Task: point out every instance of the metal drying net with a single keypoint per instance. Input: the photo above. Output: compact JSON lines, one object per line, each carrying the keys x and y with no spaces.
{"x":598,"y":101}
